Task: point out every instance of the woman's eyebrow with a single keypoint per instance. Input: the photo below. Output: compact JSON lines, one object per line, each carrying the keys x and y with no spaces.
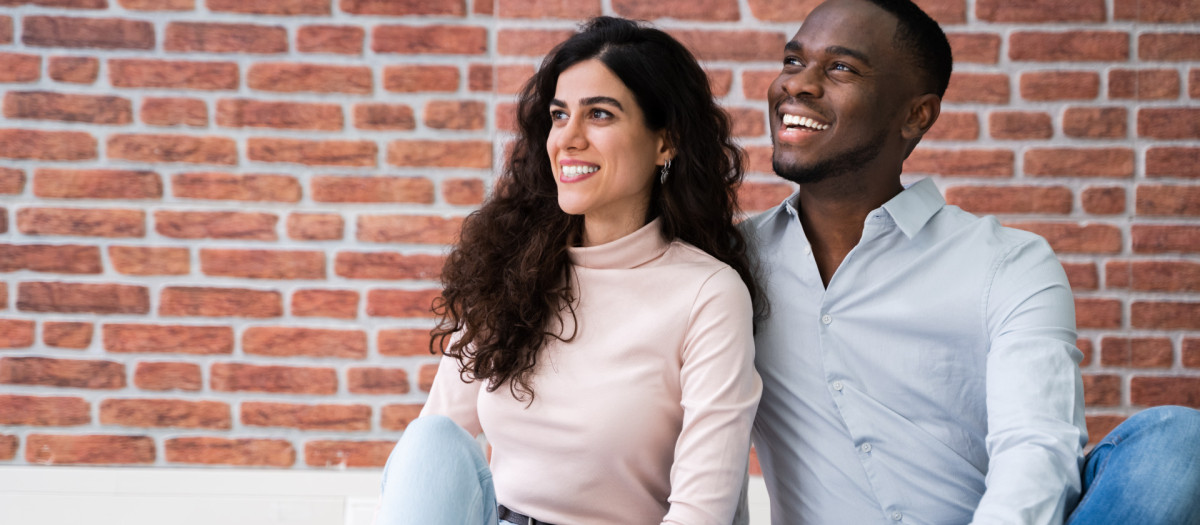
{"x":591,"y":101}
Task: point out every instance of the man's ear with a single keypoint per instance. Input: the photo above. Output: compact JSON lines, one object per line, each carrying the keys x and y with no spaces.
{"x":922,"y":113}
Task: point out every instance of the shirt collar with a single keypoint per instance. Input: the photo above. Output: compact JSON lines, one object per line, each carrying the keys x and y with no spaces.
{"x":630,"y":251}
{"x":914,"y":206}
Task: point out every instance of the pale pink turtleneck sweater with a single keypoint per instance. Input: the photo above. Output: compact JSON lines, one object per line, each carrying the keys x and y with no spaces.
{"x":645,"y":416}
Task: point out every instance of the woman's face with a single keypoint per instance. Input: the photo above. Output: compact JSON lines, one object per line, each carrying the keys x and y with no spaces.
{"x":603,"y":156}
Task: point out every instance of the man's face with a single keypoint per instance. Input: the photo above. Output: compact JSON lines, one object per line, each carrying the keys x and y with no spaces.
{"x":839,"y":99}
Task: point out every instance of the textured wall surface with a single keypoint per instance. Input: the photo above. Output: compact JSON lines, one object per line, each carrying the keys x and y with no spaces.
{"x":221,"y":221}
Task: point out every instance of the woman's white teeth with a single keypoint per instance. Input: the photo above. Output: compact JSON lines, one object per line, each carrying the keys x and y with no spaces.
{"x":578,"y":170}
{"x":796,"y":120}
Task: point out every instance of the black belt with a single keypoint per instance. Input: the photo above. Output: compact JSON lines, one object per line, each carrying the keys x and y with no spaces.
{"x":508,"y":514}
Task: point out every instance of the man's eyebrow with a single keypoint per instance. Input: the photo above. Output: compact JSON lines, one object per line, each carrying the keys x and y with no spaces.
{"x":795,"y":47}
{"x":591,"y":101}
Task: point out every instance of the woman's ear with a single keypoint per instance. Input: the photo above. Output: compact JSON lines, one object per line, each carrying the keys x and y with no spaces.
{"x":665,"y":150}
{"x":922,"y":114}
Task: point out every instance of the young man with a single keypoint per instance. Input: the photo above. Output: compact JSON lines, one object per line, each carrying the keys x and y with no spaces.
{"x":919,"y":363}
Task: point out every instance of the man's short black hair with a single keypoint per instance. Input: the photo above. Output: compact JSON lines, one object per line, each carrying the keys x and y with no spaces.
{"x":920,"y":36}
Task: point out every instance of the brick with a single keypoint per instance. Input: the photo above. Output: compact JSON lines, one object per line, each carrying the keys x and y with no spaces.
{"x":782,"y":10}
{"x":333,"y":188}
{"x":1194,"y":83}
{"x":313,"y":152}
{"x":89,"y":449}
{"x":82,"y":222}
{"x":1012,"y":199}
{"x":563,"y":9}
{"x":263,"y":264}
{"x":401,"y":303}
{"x":343,"y":454}
{"x":1165,"y":238}
{"x":408,"y":229}
{"x":756,"y":83}
{"x":1156,"y":391}
{"x":758,"y":196}
{"x":1173,"y":162}
{"x":1136,"y":352}
{"x":397,"y":417}
{"x":506,"y":117}
{"x":403,"y":7}
{"x":19,"y":67}
{"x":960,"y":162}
{"x":244,"y":452}
{"x":401,"y":342}
{"x":456,"y":114}
{"x":62,"y":373}
{"x":463,"y":192}
{"x":704,"y":10}
{"x":1095,"y":123}
{"x":50,"y":258}
{"x":234,"y":187}
{"x":44,"y":411}
{"x":68,"y":4}
{"x":530,"y":42}
{"x":315,"y":226}
{"x":1103,"y":200}
{"x":173,"y":339}
{"x":1020,"y":125}
{"x":1085,"y":346}
{"x":480,"y":77}
{"x":377,"y":381}
{"x":1191,"y":352}
{"x":1143,"y":84}
{"x":216,"y":225}
{"x":293,"y":77}
{"x":1168,"y":200}
{"x":976,"y":48}
{"x":419,"y":78}
{"x":97,"y":184}
{"x":1070,"y":46}
{"x":1082,"y":276}
{"x":441,"y":154}
{"x":1165,"y":315}
{"x":174,"y":111}
{"x":1156,"y":11}
{"x":165,"y":376}
{"x":1060,"y":85}
{"x":1066,"y":237}
{"x":101,"y":33}
{"x":208,"y":37}
{"x":1097,"y":313}
{"x":172,"y":74}
{"x":238,"y":113}
{"x":219,"y":302}
{"x":288,"y":341}
{"x":66,"y":334}
{"x":425,"y":377}
{"x":337,"y":304}
{"x":1079,"y":162}
{"x":270,"y":7}
{"x":158,"y":5}
{"x":82,"y":297}
{"x":387,"y":265}
{"x":1099,"y":426}
{"x":345,"y":418}
{"x":46,"y":145}
{"x":945,"y":11}
{"x":149,"y":260}
{"x":1101,"y":390}
{"x":720,"y":81}
{"x":172,"y":148}
{"x":1035,"y":11}
{"x":742,"y":46}
{"x":510,"y":79}
{"x":16,"y":333}
{"x":3,"y":293}
{"x":1169,"y":123}
{"x":344,"y":40}
{"x":240,"y":377}
{"x":980,"y":88}
{"x":6,"y":29}
{"x":747,"y":122}
{"x":12,"y":181}
{"x":1169,"y":47}
{"x":432,"y":39}
{"x":76,"y":70}
{"x":173,"y":413}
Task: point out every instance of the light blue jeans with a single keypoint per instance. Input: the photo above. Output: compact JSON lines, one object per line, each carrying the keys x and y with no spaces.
{"x":437,"y":474}
{"x":1146,"y":471}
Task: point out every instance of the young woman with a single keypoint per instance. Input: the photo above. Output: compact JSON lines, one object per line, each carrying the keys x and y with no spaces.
{"x":596,"y":314}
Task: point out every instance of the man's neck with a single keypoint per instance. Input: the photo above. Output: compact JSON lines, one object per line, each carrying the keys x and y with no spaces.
{"x":833,"y":212}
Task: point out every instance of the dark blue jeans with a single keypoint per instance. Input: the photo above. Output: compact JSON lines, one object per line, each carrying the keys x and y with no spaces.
{"x":1146,"y":471}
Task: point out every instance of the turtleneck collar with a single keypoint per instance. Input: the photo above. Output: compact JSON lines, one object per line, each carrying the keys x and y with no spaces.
{"x":630,"y":251}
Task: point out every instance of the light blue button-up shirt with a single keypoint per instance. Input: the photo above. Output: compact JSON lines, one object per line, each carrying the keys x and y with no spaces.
{"x":934,"y":381}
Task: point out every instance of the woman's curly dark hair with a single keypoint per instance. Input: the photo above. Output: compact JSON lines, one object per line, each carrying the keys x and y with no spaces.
{"x":507,"y":283}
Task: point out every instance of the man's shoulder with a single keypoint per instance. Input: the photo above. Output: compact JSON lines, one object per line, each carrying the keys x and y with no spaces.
{"x":987,"y":229}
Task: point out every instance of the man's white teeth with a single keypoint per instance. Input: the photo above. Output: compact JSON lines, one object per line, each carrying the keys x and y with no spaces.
{"x":796,"y":120}
{"x":574,"y":170}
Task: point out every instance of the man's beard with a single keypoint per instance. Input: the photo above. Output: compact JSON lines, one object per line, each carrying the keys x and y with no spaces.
{"x":840,"y":164}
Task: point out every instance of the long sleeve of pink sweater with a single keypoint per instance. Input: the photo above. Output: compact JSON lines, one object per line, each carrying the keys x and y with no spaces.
{"x":644,"y":417}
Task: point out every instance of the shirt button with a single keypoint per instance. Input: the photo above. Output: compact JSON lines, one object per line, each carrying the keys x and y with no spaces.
{"x":866,"y":447}
{"x":808,"y":250}
{"x":837,"y":385}
{"x":897,"y":516}
{"x":826,"y":319}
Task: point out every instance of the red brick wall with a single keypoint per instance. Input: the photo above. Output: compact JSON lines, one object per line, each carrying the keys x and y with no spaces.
{"x":221,"y":221}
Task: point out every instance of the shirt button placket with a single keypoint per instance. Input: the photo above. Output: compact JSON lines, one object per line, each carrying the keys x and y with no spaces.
{"x":897,"y":516}
{"x":826,"y":319}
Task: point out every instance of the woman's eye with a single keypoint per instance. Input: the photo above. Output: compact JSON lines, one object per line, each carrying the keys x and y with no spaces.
{"x":600,"y":114}
{"x":558,"y":115}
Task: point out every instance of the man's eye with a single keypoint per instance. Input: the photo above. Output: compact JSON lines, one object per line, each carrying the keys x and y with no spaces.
{"x":792,"y":61}
{"x":842,"y":67}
